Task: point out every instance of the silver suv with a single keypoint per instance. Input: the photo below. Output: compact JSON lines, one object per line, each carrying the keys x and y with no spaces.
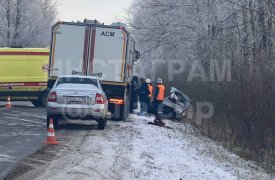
{"x":77,"y":98}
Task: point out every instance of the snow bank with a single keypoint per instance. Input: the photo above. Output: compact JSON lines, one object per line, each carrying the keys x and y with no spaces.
{"x":136,"y":150}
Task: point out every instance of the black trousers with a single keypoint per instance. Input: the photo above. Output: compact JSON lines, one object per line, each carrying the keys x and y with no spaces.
{"x":149,"y":108}
{"x":133,"y":102}
{"x":144,"y":103}
{"x":157,"y":105}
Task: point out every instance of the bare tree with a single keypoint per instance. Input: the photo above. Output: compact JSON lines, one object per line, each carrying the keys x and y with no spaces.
{"x":26,"y":22}
{"x":239,"y":31}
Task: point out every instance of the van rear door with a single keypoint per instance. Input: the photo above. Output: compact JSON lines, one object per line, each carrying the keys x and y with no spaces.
{"x":109,"y":58}
{"x":68,"y":54}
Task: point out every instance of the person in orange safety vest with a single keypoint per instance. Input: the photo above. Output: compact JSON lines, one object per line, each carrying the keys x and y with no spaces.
{"x":150,"y":88}
{"x":158,"y":99}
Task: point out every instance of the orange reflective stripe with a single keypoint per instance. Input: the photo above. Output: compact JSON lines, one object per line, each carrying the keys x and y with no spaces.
{"x":116,"y":101}
{"x":161,"y":92}
{"x":150,"y":87}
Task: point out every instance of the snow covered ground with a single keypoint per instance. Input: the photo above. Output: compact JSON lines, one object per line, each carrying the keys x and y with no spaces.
{"x":136,"y":150}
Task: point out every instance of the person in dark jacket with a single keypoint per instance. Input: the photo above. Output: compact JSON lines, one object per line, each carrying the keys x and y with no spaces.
{"x":134,"y":94}
{"x":144,"y":97}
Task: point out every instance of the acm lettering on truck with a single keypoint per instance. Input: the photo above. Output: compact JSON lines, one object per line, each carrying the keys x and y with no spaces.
{"x":108,"y":34}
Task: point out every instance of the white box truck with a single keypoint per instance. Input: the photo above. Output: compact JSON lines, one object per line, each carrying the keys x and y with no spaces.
{"x":94,"y":49}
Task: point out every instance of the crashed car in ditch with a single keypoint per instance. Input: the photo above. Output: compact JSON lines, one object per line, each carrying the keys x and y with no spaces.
{"x":176,"y":104}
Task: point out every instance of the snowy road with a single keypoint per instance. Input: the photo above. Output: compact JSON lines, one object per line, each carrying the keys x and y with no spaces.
{"x":22,"y":132}
{"x":134,"y":150}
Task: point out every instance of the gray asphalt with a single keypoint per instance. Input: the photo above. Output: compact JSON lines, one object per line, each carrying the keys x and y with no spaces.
{"x":22,"y":132}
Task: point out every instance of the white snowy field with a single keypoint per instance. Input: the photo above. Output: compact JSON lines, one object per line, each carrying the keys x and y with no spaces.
{"x":136,"y":150}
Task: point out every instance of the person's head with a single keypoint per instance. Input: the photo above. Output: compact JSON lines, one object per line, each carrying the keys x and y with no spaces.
{"x":148,"y":81}
{"x":159,"y":81}
{"x":135,"y":78}
{"x":142,"y":80}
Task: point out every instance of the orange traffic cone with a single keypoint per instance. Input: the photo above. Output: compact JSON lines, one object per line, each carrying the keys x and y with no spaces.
{"x":51,"y":136}
{"x":8,"y":105}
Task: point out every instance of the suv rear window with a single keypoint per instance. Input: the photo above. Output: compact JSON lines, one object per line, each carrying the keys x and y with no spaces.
{"x":75,"y":80}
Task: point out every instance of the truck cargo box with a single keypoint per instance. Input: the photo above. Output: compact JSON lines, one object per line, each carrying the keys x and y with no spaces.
{"x":91,"y":48}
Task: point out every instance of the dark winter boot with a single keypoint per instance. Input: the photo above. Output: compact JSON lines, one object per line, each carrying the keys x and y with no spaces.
{"x":161,"y":123}
{"x":156,"y":121}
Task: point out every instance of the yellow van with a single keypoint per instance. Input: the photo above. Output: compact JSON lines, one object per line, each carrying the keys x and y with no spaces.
{"x":24,"y":74}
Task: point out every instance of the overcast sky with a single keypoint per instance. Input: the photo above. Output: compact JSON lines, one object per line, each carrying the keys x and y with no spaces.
{"x":105,"y":11}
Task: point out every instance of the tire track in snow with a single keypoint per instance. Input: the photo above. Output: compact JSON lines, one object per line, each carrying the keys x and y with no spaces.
{"x":65,"y":159}
{"x":70,"y":142}
{"x":122,"y":160}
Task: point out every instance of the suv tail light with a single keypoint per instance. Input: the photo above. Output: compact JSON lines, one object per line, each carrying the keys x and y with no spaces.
{"x":52,"y":97}
{"x":99,"y":99}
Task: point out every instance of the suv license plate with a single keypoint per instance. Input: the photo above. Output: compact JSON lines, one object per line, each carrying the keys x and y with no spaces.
{"x":75,"y":99}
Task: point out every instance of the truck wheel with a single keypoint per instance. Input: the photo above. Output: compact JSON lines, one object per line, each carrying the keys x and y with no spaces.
{"x":36,"y":103}
{"x":120,"y":113}
{"x":102,"y":124}
{"x":43,"y":99}
{"x":114,"y":114}
{"x":41,"y":102}
{"x":124,"y":111}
